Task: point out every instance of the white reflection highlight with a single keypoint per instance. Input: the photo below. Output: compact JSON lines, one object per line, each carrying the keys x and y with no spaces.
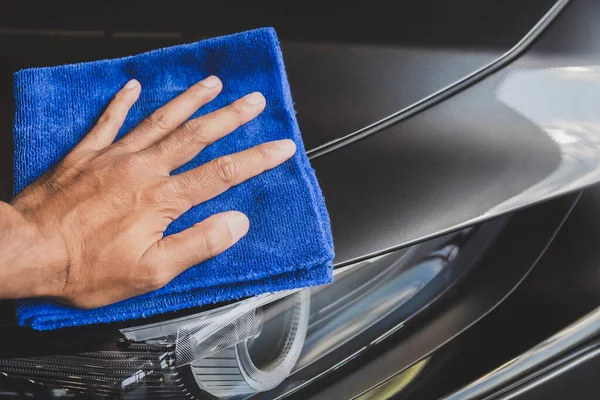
{"x":565,"y":104}
{"x":577,"y":69}
{"x":560,"y":136}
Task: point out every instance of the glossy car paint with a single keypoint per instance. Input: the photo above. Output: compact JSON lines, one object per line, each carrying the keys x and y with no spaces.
{"x":501,"y":270}
{"x":561,"y":49}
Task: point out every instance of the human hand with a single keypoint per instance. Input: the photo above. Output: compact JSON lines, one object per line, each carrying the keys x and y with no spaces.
{"x":93,"y":226}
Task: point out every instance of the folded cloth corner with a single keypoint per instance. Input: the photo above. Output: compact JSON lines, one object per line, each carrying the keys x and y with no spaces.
{"x":289,"y":244}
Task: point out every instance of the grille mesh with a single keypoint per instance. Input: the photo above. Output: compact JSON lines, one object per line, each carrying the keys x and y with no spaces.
{"x":139,"y":372}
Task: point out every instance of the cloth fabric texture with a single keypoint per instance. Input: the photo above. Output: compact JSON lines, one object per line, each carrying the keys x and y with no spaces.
{"x":289,"y":244}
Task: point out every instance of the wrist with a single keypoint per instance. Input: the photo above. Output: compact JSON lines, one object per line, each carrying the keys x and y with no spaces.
{"x":31,"y":264}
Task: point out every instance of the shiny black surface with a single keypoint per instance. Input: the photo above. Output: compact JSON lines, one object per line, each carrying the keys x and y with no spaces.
{"x":451,"y":163}
{"x":562,"y":287}
{"x":433,"y":170}
{"x":500,"y":270}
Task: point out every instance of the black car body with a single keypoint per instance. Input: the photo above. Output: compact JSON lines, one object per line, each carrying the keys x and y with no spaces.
{"x":457,"y":144}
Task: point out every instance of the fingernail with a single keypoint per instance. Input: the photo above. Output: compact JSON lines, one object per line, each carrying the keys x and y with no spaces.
{"x":286,"y":145}
{"x":210,"y":82}
{"x":238,"y":225}
{"x":254,"y":98}
{"x":131,"y":84}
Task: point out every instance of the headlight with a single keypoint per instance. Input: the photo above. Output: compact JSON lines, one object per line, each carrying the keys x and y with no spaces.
{"x":262,"y":360}
{"x":277,"y":342}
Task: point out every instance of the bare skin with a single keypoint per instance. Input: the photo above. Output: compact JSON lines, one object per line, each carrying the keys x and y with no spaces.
{"x":90,"y":232}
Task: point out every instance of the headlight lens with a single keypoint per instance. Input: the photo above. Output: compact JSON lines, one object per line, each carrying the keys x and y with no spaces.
{"x":262,"y":361}
{"x":254,"y":345}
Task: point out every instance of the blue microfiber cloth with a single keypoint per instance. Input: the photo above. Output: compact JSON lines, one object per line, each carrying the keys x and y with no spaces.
{"x":289,"y":244}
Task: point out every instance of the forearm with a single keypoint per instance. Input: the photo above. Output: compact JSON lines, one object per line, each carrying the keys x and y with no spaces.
{"x":26,"y":261}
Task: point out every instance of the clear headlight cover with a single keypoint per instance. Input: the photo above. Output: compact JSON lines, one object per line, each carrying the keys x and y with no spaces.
{"x":274,"y":343}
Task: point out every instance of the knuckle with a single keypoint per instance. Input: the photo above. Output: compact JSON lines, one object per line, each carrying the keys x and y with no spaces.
{"x":235,"y":112}
{"x":177,"y":195}
{"x":159,"y":120}
{"x":227,"y":168}
{"x":157,"y":151}
{"x":158,"y":193}
{"x":166,"y":198}
{"x":125,"y":163}
{"x":194,"y":131}
{"x":262,"y":151}
{"x":106,"y":118}
{"x":234,"y":109}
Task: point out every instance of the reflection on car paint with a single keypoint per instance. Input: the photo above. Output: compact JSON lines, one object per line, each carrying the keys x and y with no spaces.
{"x":563,"y":103}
